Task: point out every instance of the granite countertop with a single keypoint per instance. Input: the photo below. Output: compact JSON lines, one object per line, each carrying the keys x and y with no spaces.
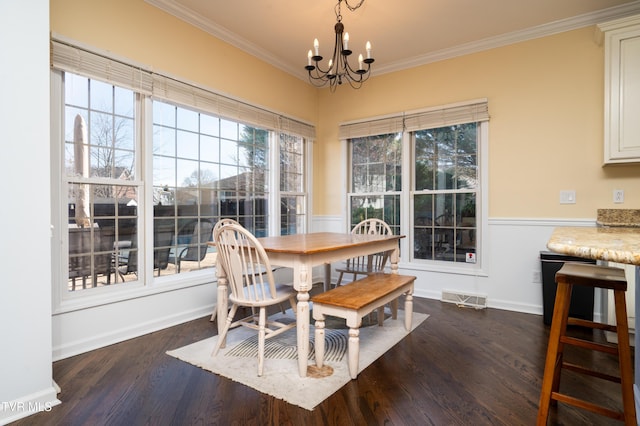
{"x":618,"y":217}
{"x":615,"y":244}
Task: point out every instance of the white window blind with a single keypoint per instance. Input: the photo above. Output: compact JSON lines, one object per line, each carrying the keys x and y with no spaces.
{"x":294,"y":127}
{"x":170,"y":89}
{"x":79,"y":61}
{"x":67,"y":57}
{"x":379,"y":126}
{"x":448,"y":115}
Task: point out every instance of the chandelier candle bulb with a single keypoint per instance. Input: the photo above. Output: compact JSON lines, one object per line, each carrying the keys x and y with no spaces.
{"x":339,"y":70}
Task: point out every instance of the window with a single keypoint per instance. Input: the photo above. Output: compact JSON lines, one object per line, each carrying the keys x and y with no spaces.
{"x":376,"y":179}
{"x":442,"y":186}
{"x":444,"y":196}
{"x":148,"y":164}
{"x":204,"y":168}
{"x":100,"y":172}
{"x":292,"y":183}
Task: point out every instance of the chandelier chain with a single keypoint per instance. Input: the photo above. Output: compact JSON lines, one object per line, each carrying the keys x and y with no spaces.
{"x":351,"y":8}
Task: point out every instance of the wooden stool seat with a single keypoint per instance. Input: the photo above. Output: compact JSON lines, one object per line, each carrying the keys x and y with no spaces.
{"x":598,"y":277}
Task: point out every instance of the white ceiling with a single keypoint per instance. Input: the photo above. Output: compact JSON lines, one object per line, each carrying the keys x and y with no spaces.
{"x":403,"y":33}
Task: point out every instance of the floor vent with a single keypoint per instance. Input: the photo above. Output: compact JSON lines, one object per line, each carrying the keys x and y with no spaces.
{"x":465,"y":300}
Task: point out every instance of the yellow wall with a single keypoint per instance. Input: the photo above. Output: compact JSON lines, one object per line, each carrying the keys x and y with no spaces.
{"x":135,"y":30}
{"x":545,"y":101}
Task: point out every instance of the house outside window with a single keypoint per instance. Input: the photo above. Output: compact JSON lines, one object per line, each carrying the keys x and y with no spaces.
{"x":204,"y":168}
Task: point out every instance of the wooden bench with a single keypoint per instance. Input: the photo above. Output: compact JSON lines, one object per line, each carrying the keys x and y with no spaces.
{"x":355,"y":300}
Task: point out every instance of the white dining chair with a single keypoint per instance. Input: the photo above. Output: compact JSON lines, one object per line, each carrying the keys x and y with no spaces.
{"x":366,"y":265}
{"x":251,"y":283}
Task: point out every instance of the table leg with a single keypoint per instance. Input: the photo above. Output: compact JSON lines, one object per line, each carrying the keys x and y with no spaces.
{"x":301,"y":275}
{"x":222,"y":302}
{"x":393,"y":259}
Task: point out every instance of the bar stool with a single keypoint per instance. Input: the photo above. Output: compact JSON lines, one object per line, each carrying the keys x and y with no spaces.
{"x":592,"y":276}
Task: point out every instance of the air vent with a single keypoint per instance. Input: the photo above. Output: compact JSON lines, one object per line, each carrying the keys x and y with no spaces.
{"x":475,"y":301}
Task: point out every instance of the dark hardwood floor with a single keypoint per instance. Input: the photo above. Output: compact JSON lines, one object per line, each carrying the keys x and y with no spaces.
{"x":460,"y":367}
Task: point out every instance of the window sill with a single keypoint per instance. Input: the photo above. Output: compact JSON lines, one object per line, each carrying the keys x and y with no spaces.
{"x":439,"y":267}
{"x":115,"y":294}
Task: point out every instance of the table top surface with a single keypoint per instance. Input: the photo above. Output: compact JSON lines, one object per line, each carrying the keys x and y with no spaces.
{"x":318,"y":242}
{"x":619,"y":244}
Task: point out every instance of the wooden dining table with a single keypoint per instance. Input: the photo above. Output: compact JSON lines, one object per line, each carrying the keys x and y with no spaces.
{"x":302,"y":252}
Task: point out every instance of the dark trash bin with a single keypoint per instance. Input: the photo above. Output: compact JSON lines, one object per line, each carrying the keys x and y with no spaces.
{"x":581,"y":297}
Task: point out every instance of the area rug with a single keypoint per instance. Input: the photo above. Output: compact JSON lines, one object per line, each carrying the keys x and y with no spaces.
{"x":239,"y":362}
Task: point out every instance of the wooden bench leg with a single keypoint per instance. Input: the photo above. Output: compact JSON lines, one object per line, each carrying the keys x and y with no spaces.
{"x":319,"y":343}
{"x":394,"y":308}
{"x":408,"y":310}
{"x":380,"y":315}
{"x":354,"y":351}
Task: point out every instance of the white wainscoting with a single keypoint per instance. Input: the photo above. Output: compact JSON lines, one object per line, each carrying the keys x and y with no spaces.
{"x":513,"y":256}
{"x":83,"y":330}
{"x":508,"y":268}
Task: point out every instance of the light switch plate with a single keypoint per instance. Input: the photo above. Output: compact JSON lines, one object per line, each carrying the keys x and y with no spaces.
{"x":568,"y":197}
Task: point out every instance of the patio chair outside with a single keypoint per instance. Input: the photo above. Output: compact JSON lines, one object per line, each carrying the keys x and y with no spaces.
{"x":128,"y":251}
{"x":195,"y":249}
{"x":90,"y":252}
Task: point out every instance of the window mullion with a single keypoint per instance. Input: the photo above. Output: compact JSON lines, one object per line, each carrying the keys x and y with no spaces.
{"x":274,"y":184}
{"x":144,"y":163}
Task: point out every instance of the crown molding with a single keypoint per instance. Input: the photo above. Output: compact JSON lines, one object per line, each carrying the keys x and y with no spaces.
{"x":556,"y":27}
{"x":544,"y":30}
{"x":225,"y":35}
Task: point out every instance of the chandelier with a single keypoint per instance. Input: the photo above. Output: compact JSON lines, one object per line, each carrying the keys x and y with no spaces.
{"x":339,"y":69}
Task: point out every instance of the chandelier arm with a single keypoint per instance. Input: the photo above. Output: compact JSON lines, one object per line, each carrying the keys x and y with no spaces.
{"x":356,"y":72}
{"x":356,"y":84}
{"x":338,"y":68}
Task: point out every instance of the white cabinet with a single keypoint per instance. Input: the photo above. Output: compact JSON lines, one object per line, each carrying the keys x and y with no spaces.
{"x":622,"y":90}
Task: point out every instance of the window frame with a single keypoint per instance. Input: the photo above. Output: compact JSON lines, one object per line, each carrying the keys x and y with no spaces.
{"x":391,"y":122}
{"x":276,"y":182}
{"x":147,"y":283}
{"x":454,"y":192}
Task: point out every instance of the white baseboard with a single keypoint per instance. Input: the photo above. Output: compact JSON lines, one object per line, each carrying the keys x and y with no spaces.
{"x":36,"y":402}
{"x":72,"y":348}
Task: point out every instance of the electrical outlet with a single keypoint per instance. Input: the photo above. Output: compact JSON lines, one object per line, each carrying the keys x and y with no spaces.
{"x":618,"y":196}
